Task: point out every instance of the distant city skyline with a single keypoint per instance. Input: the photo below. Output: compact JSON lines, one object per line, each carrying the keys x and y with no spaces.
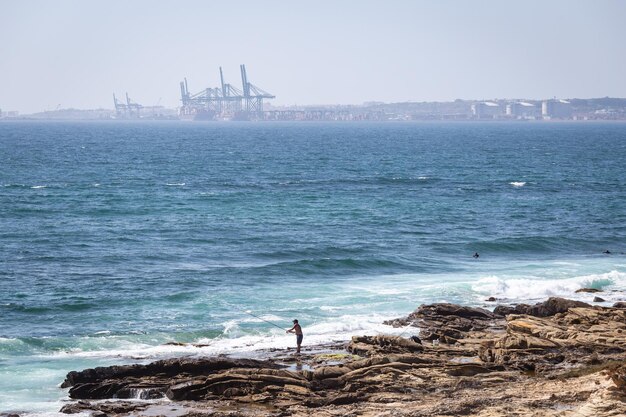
{"x":74,"y":54}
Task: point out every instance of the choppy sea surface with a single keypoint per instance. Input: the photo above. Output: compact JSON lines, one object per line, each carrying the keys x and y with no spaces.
{"x":117,"y":238}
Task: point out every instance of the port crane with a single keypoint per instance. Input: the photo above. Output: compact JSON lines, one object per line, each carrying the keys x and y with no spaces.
{"x":225,"y":101}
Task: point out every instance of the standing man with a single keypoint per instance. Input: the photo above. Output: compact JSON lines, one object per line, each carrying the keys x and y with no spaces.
{"x":298,"y":331}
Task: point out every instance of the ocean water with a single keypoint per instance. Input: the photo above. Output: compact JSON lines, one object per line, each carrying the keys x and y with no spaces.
{"x":117,"y":238}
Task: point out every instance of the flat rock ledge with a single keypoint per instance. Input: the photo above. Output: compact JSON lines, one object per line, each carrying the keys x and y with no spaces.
{"x":558,"y":358}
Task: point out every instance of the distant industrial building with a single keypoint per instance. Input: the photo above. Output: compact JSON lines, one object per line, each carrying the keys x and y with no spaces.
{"x":522,"y":110}
{"x":9,"y":114}
{"x":556,"y":109}
{"x":486,"y":110}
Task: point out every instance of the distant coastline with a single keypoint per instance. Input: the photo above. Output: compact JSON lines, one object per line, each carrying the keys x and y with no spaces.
{"x":575,"y":109}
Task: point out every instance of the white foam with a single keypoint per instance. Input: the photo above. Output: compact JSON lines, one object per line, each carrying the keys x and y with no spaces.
{"x":538,"y":289}
{"x":518,"y":183}
{"x":175,"y":184}
{"x":36,"y":187}
{"x":235,"y":341}
{"x":57,"y":405}
{"x":330,"y":308}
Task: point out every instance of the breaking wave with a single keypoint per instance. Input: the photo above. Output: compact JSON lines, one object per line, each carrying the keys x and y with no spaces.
{"x":517,"y":290}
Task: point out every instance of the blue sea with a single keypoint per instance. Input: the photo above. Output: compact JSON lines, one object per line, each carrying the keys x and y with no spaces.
{"x":117,"y":238}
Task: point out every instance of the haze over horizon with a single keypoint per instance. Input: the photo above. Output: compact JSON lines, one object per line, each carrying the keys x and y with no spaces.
{"x":76,"y":54}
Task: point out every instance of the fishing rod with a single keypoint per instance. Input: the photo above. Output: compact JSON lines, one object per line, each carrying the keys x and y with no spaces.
{"x":407,"y":328}
{"x":255,"y":316}
{"x":269,"y":322}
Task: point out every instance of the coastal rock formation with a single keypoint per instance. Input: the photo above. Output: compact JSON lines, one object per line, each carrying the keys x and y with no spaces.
{"x":447,"y":323}
{"x":588,"y":290}
{"x":548,"y":344}
{"x":147,"y":381}
{"x":567,"y":359}
{"x":381,"y":344}
{"x":547,"y":308}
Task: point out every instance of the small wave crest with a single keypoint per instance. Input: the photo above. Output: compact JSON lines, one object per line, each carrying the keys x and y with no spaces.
{"x":336,"y":265}
{"x":517,"y":183}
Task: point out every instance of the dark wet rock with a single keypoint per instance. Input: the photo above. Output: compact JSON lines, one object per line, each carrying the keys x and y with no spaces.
{"x":164,"y":368}
{"x":187,"y":390}
{"x":589,"y":290}
{"x":446,"y":309}
{"x":443,"y":311}
{"x":598,"y":300}
{"x":552,"y":306}
{"x":446,"y":323}
{"x":491,"y":299}
{"x":148,"y":381}
{"x":504,"y":310}
{"x":619,"y":304}
{"x":468,"y":370}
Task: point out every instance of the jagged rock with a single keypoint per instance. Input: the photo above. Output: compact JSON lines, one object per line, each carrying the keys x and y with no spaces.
{"x":373,"y":345}
{"x":598,"y":300}
{"x":619,"y":304}
{"x":446,"y":309}
{"x":236,"y":382}
{"x":149,"y":381}
{"x":590,"y":290}
{"x":443,"y":312}
{"x":103,"y":408}
{"x":506,"y":310}
{"x":77,"y":407}
{"x":447,"y":323}
{"x":187,"y":390}
{"x":542,"y":342}
{"x":169,"y":367}
{"x":552,"y":306}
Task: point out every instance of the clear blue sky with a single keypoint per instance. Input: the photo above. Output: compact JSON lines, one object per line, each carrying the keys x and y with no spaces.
{"x":77,"y":53}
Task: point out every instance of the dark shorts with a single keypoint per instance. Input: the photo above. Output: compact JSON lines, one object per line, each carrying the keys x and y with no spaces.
{"x":299,"y":339}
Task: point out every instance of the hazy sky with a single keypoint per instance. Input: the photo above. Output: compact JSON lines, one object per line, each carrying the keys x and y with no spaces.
{"x":77,"y":53}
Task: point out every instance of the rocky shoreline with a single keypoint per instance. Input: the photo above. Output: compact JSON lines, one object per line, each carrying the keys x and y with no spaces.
{"x":556,"y":358}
